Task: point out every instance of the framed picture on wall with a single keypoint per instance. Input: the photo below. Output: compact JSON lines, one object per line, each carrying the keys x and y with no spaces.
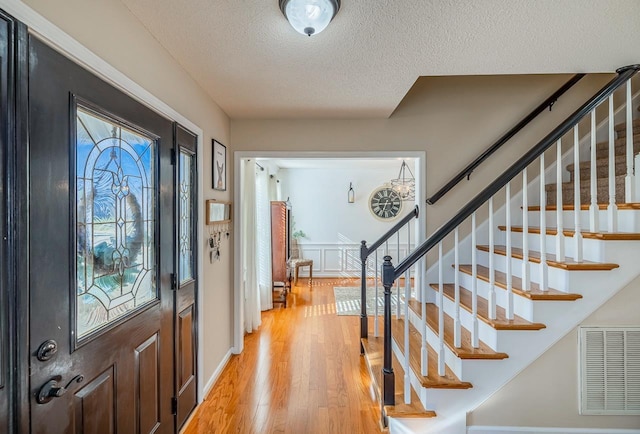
{"x":219,"y":164}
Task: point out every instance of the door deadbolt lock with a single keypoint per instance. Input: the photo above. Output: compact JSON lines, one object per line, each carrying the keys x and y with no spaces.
{"x":52,"y":389}
{"x":47,"y":350}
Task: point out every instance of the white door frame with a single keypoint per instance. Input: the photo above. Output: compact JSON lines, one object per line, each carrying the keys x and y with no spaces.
{"x":239,"y":156}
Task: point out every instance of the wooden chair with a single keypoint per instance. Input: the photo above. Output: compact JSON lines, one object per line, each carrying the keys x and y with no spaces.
{"x":297,"y":261}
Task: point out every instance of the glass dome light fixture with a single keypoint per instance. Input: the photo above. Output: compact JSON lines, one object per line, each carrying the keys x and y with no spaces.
{"x":405,"y":183}
{"x":309,"y":17}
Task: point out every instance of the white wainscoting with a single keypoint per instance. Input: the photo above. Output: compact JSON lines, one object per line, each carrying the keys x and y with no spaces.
{"x":342,"y":259}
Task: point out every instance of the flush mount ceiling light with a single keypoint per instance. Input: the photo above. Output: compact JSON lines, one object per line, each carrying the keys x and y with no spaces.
{"x":309,"y":17}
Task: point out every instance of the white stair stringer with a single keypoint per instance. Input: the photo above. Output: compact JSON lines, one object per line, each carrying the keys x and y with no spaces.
{"x":523,"y":347}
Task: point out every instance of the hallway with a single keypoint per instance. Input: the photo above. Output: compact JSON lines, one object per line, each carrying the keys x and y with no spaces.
{"x":300,"y":373}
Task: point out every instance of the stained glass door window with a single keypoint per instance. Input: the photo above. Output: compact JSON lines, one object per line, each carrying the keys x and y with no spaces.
{"x":116,"y":220}
{"x":185,"y":235}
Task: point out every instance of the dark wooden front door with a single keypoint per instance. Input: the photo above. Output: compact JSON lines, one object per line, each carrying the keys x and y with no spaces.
{"x":185,"y":301}
{"x":102,"y":259}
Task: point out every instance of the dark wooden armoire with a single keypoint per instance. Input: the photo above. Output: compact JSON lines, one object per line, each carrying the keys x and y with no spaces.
{"x":280,"y":249}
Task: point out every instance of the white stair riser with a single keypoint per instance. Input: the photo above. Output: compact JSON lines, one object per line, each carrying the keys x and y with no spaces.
{"x":628,"y":220}
{"x":487,"y":334}
{"x":592,"y":250}
{"x":522,"y":306}
{"x":558,"y":278}
{"x":451,"y":360}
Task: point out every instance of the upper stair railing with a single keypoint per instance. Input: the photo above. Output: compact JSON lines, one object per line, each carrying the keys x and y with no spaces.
{"x":466,"y":172}
{"x":391,"y":273}
{"x":366,"y":252}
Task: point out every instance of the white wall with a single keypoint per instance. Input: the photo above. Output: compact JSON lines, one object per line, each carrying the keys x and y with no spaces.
{"x":319,"y":202}
{"x":334,"y":227}
{"x":546,"y":393}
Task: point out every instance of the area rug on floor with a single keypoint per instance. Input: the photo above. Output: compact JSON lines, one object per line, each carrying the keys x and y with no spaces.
{"x":348,"y":300}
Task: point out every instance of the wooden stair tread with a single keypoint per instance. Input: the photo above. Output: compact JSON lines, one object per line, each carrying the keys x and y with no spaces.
{"x":500,"y":323}
{"x":585,"y":207}
{"x":466,"y":351}
{"x":373,"y":353}
{"x":567,"y":264}
{"x":611,"y":236}
{"x":432,"y":380}
{"x":516,"y":286}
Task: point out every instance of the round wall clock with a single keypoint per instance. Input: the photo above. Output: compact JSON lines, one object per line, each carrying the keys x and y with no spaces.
{"x":385,"y":203}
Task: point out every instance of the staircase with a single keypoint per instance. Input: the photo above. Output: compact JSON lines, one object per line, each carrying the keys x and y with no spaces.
{"x":520,"y":280}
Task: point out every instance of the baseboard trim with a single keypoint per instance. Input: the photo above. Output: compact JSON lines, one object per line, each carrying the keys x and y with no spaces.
{"x":216,"y":374}
{"x":545,"y":430}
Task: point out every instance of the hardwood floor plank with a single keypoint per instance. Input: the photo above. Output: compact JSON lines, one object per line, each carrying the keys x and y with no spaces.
{"x":301,"y":372}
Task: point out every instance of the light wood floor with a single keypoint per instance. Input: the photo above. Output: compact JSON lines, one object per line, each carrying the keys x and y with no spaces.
{"x":300,"y":373}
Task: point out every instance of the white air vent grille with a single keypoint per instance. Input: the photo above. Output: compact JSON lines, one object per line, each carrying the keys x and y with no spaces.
{"x":610,"y":370}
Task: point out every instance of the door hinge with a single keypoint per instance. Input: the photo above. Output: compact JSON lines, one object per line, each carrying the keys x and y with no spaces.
{"x":174,"y":281}
{"x":174,"y":405}
{"x":173,"y":157}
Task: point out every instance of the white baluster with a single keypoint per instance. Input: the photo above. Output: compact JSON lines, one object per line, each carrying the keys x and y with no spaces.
{"x":629,"y":180}
{"x":424,"y":362}
{"x":526,"y":267}
{"x":577,"y":203}
{"x":375,"y":318}
{"x":398,"y":310}
{"x":612,"y":209}
{"x":492,"y":278}
{"x":509,"y":308}
{"x":559,"y":205}
{"x":407,"y":294}
{"x":441,"y":370}
{"x":457,"y":327}
{"x":475,"y":339}
{"x":594,"y":210}
{"x":544,"y":272}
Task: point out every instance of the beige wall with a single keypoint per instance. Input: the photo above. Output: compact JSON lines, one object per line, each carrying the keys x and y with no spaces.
{"x":108,"y":29}
{"x":453,"y":119}
{"x":546,"y":393}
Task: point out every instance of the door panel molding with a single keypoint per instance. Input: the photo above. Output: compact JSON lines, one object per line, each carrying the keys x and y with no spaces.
{"x":97,"y":394}
{"x":147,"y":379}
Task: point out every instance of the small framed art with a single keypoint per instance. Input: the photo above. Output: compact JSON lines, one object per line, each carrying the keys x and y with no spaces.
{"x":219,"y":164}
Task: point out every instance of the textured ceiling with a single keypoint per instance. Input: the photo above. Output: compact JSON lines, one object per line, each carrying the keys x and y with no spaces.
{"x":254,"y":65}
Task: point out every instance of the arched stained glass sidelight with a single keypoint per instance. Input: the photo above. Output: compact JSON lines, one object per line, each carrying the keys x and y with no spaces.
{"x":115,"y":192}
{"x":185,"y":266}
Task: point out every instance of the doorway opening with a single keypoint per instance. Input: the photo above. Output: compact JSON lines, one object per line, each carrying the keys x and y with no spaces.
{"x":328,"y":198}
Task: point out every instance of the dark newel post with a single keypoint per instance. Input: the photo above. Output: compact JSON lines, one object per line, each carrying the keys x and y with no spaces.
{"x":364,"y":326}
{"x":389,"y":380}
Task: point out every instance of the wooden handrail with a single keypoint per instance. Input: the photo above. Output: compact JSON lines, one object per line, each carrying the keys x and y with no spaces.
{"x":466,"y":172}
